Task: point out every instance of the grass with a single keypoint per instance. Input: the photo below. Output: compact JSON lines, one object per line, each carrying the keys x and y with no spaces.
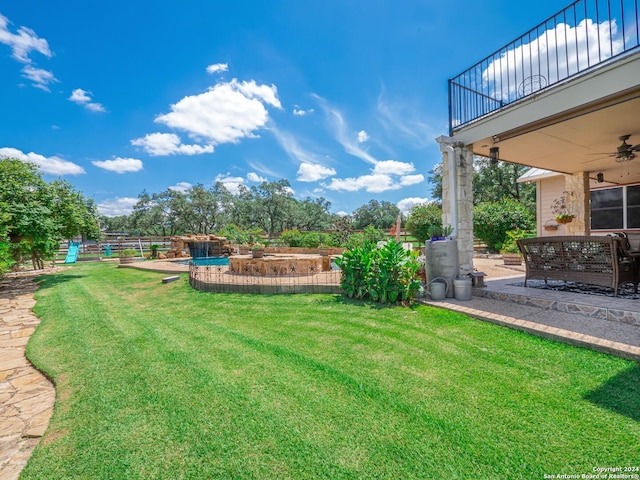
{"x":160,"y":381}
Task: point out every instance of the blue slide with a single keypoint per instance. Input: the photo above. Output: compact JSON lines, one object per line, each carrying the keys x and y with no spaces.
{"x":72,"y":253}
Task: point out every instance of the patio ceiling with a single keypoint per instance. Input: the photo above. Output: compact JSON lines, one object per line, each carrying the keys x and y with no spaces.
{"x":582,"y":139}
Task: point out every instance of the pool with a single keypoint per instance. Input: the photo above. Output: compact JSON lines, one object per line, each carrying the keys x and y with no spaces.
{"x":206,"y":261}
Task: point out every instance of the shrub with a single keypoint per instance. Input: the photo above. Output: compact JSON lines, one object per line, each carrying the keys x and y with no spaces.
{"x":422,"y":218}
{"x":370,"y":235}
{"x":6,"y":262}
{"x":291,"y":238}
{"x":387,"y":275}
{"x":492,"y":221}
{"x":310,"y":240}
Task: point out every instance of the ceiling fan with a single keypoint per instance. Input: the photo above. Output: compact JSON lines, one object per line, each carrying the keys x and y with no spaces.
{"x":624,"y":153}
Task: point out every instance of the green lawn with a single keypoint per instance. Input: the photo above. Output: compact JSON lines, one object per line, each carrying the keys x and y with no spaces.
{"x":160,"y":381}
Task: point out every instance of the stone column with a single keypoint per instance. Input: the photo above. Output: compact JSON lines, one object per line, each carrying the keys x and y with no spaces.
{"x":461,"y":167}
{"x":577,"y":198}
{"x":465,"y":208}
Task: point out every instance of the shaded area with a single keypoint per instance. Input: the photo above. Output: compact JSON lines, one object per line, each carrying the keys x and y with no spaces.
{"x":620,"y":394}
{"x":624,"y":291}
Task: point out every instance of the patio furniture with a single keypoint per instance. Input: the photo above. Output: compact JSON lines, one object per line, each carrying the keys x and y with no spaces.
{"x":594,"y":260}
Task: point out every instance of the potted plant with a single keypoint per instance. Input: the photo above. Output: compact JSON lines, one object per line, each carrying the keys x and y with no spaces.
{"x":244,"y":248}
{"x":436,"y":232}
{"x":126,"y":255}
{"x":510,"y":252}
{"x":561,"y":211}
{"x":154,"y":250}
{"x":564,"y":218}
{"x":257,"y":250}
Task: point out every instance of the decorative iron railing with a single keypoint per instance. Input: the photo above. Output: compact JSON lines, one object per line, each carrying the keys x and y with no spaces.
{"x":582,"y":36}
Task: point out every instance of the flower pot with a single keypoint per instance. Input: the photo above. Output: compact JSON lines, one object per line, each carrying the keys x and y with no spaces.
{"x":244,"y":250}
{"x":512,"y":258}
{"x":125,"y":260}
{"x":257,"y":252}
{"x":564,"y":220}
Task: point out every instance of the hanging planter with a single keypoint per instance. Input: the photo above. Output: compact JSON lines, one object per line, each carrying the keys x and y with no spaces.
{"x":550,"y":226}
{"x":561,"y":210}
{"x":565,"y":218}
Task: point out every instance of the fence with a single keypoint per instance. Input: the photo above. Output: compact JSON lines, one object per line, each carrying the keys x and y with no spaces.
{"x":215,"y":278}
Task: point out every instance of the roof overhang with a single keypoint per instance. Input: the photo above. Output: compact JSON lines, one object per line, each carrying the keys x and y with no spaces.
{"x":572,"y":127}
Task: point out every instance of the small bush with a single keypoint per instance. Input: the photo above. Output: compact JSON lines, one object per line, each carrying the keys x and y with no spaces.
{"x":422,"y":218}
{"x":291,"y":238}
{"x":492,"y":221}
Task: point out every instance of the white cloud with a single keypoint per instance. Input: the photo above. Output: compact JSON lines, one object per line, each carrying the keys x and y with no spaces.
{"x":83,"y":97}
{"x":407,"y":180}
{"x":52,"y":165}
{"x":363,"y":136}
{"x":225,"y":113}
{"x":264,"y":169}
{"x":117,"y":206}
{"x":376,"y":183}
{"x":40,"y":78}
{"x":22,"y":43}
{"x":218,"y":67}
{"x":393,"y":167}
{"x":157,"y":144}
{"x":406,"y":204}
{"x":254,"y":177}
{"x":554,"y":55}
{"x":120,"y":165}
{"x":402,"y":120}
{"x":231,"y":183}
{"x":312,"y":172}
{"x":182,"y":187}
{"x":343,"y":137}
{"x":298,"y":112}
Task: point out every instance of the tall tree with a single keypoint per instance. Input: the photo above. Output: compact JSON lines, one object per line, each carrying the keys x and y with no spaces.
{"x":37,"y":215}
{"x":492,"y":182}
{"x":381,"y":215}
{"x":272,"y":205}
{"x":311,"y":214}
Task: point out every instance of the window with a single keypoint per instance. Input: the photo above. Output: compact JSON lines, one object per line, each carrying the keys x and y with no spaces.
{"x":633,"y":207}
{"x":615,"y":208}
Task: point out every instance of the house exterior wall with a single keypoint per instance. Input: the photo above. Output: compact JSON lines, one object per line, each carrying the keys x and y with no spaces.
{"x":547,"y":190}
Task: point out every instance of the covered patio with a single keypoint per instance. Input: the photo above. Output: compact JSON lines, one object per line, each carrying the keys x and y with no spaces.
{"x":562,"y":97}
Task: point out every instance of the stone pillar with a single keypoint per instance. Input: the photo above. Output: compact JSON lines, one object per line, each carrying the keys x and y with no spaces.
{"x":465,"y":208}
{"x":577,"y":199}
{"x":461,"y":167}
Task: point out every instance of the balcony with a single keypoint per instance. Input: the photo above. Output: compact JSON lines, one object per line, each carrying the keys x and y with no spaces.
{"x":585,"y":36}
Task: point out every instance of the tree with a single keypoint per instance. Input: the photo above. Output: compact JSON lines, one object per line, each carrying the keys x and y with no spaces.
{"x":492,"y":181}
{"x":382,"y":215}
{"x":310,"y":214}
{"x":37,"y":215}
{"x":423,"y":216}
{"x":271,"y":205}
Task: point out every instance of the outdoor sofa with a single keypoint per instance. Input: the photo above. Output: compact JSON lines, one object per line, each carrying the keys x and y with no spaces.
{"x":593,"y":260}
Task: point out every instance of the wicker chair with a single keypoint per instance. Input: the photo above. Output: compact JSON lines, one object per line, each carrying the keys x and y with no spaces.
{"x":593,"y":260}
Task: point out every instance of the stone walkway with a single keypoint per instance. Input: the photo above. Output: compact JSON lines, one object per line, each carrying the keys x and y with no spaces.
{"x":26,"y":396}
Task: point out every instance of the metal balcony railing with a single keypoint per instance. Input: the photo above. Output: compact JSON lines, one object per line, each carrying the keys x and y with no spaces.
{"x":582,"y":36}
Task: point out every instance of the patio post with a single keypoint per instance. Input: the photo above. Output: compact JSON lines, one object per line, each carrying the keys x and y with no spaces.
{"x":457,"y":198}
{"x":577,"y":198}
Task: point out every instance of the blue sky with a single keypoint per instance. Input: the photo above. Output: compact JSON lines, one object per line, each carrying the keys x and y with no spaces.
{"x":341,"y":98}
